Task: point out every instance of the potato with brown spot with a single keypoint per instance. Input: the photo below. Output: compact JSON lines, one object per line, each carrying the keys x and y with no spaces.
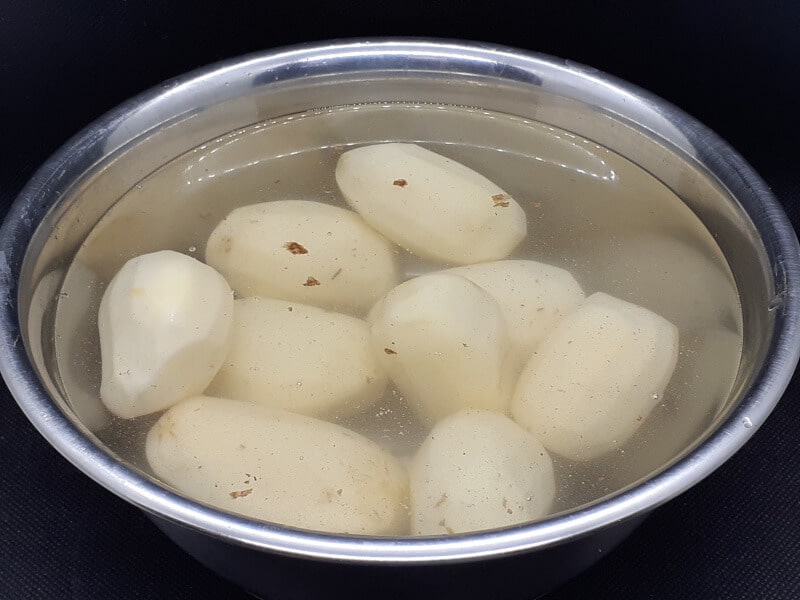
{"x":303,"y":472}
{"x":303,"y":251}
{"x":435,"y":207}
{"x":600,"y":368}
{"x":479,"y":470}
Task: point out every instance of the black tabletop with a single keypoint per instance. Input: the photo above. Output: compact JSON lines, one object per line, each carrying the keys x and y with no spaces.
{"x":735,"y":66}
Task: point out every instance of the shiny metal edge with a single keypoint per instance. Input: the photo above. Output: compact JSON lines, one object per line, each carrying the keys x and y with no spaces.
{"x":181,"y":95}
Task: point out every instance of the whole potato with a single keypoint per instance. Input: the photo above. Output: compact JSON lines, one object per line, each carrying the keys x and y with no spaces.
{"x":429,"y":204}
{"x":277,"y":466}
{"x":305,"y":252}
{"x":300,"y":358}
{"x":596,"y":377}
{"x":444,"y":343}
{"x":165,"y":323}
{"x":479,"y":470}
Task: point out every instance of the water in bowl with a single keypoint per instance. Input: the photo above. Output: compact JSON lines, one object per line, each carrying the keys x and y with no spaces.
{"x":614,"y":226}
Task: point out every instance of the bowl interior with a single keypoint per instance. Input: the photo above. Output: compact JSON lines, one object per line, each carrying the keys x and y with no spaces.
{"x":113,"y":157}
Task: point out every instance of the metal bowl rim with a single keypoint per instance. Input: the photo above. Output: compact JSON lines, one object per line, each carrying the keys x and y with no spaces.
{"x":68,"y":439}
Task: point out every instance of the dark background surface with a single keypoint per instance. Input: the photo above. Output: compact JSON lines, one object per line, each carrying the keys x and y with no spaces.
{"x":734,"y":66}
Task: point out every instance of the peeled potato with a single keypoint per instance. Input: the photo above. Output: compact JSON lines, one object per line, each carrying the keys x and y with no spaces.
{"x":305,"y":252}
{"x":278,"y":466}
{"x":164,"y":321}
{"x":479,"y":470}
{"x":300,"y":358}
{"x":596,"y":377}
{"x":433,"y":206}
{"x":533,"y":297}
{"x":443,"y":342}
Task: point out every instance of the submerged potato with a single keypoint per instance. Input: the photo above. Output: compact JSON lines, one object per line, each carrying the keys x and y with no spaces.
{"x":300,"y":358}
{"x":596,"y":377}
{"x":165,"y":322}
{"x":479,"y":470}
{"x":443,"y":342}
{"x":303,"y":251}
{"x":533,"y":297}
{"x":433,"y":206}
{"x":278,"y":466}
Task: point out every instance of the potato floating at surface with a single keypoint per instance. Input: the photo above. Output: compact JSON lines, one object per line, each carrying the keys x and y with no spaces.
{"x":443,"y":342}
{"x":434,"y":206}
{"x":533,"y":296}
{"x":596,"y":377}
{"x":303,"y":251}
{"x":479,"y":470}
{"x":278,"y":466}
{"x":300,"y":358}
{"x":165,"y":322}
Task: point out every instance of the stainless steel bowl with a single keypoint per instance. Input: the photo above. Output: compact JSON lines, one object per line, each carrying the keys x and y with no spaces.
{"x":70,"y":193}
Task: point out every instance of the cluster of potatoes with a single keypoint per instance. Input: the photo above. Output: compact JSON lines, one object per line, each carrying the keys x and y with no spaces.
{"x":300,"y":317}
